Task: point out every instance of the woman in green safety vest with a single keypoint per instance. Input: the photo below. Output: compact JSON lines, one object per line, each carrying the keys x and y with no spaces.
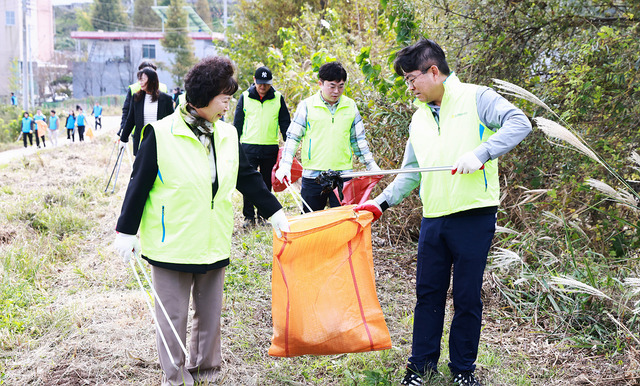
{"x":179,"y":197}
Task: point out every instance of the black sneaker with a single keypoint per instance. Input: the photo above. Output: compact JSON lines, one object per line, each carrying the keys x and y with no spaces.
{"x":465,"y":378}
{"x":412,"y":378}
{"x":249,"y":223}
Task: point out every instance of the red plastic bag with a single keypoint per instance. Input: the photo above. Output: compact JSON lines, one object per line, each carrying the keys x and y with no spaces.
{"x":296,"y":173}
{"x":323,"y":286}
{"x":357,"y":190}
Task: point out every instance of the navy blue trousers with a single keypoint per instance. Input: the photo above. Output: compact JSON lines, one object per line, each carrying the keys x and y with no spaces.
{"x":460,"y":244}
{"x":262,"y":158}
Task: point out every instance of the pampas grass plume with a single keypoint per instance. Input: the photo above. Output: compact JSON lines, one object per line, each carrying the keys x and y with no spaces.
{"x":519,"y":92}
{"x":566,"y":283}
{"x":555,"y":130}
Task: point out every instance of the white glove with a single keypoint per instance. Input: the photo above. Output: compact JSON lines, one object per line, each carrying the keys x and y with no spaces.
{"x":279,"y":222}
{"x":284,"y":171}
{"x":122,"y":145}
{"x":125,"y":245}
{"x":466,"y":164}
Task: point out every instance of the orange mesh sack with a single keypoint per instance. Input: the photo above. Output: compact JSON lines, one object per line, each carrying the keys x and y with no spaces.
{"x":323,"y":289}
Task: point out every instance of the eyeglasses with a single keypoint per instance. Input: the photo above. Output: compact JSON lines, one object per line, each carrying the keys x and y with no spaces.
{"x":409,"y":82}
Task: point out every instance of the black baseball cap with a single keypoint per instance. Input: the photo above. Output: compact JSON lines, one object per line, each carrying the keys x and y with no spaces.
{"x":263,"y":76}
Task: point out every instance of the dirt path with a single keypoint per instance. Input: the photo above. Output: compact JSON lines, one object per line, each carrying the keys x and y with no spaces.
{"x":110,"y":125}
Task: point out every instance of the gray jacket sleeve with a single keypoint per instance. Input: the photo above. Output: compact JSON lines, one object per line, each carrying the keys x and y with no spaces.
{"x":498,"y":113}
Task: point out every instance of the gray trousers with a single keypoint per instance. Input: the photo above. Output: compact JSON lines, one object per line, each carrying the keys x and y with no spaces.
{"x":205,"y":358}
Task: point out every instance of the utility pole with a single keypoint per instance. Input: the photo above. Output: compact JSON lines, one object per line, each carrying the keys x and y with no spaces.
{"x":25,"y":60}
{"x":225,"y":16}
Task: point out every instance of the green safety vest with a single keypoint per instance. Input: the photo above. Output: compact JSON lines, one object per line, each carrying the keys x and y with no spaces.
{"x":135,"y":87}
{"x":439,"y":144}
{"x":181,"y":222}
{"x":261,"y":120}
{"x":327,"y":140}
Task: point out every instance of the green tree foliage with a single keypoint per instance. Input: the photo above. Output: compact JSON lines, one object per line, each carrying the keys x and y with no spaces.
{"x":83,"y":19}
{"x":108,"y":15}
{"x":66,"y":20}
{"x":144,"y":18}
{"x":177,"y":41}
{"x":203,"y":10}
{"x":261,"y":20}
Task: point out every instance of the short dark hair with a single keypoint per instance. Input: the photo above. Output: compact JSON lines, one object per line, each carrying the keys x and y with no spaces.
{"x":145,"y":64}
{"x":53,"y":111}
{"x":209,"y":78}
{"x":152,"y":84}
{"x":420,"y":56}
{"x":332,"y":71}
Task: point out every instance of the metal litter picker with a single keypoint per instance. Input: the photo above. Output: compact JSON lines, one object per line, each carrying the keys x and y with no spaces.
{"x":159,"y":303}
{"x":332,"y":179}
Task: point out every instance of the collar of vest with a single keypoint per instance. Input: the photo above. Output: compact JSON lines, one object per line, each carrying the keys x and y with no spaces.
{"x":180,"y":127}
{"x":253,"y":93}
{"x":451,"y":85}
{"x":318,"y":101}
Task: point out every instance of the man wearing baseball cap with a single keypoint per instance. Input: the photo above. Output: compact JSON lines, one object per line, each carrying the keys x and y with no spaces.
{"x":261,"y":112}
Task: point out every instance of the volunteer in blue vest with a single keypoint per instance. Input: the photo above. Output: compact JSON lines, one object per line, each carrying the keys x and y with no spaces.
{"x":53,"y":128}
{"x":131,"y":91}
{"x":80,"y":122}
{"x":180,"y":198}
{"x":330,"y":128}
{"x":466,"y":126}
{"x":260,"y":113}
{"x":14,"y":100}
{"x":27,"y":129}
{"x":70,"y":124}
{"x":97,"y":114}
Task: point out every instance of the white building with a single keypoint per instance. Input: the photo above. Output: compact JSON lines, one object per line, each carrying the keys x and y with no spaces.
{"x":30,"y":42}
{"x":113,"y":59}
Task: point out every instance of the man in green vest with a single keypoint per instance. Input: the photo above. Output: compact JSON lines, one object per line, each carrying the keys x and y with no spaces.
{"x":466,"y":126}
{"x":131,"y":90}
{"x":329,"y":126}
{"x":260,"y":113}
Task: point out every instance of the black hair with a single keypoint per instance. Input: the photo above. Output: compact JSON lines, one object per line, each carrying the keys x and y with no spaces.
{"x":53,"y":111}
{"x":420,"y":56}
{"x":146,"y":64}
{"x":332,"y":71}
{"x":209,"y":78}
{"x":152,"y":84}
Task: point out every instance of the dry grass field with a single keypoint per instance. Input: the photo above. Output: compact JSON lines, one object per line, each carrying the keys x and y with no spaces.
{"x":71,"y":313}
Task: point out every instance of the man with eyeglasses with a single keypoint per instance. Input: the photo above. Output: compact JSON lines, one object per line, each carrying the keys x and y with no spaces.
{"x":330,"y":128}
{"x":467,"y":126}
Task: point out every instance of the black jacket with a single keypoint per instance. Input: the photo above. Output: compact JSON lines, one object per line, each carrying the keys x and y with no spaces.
{"x":143,"y":176}
{"x":135,"y":118}
{"x":284,"y":118}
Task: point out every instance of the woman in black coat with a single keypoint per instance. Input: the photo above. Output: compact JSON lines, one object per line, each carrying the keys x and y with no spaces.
{"x":150,"y":100}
